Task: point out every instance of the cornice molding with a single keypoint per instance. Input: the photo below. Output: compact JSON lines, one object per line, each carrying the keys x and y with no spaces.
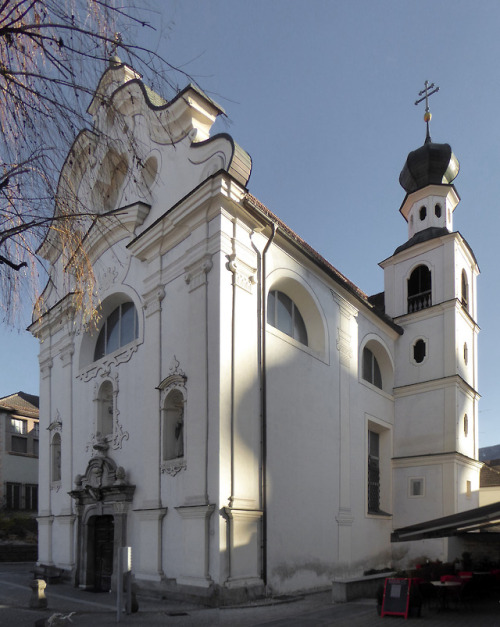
{"x":435,"y":384}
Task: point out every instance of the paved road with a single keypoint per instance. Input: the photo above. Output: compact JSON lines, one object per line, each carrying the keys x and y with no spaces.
{"x":316,"y":610}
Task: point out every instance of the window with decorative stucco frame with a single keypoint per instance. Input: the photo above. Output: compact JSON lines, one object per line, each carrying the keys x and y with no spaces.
{"x":173,"y":403}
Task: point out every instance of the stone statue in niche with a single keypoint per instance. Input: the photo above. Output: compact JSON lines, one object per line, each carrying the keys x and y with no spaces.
{"x":179,"y":433}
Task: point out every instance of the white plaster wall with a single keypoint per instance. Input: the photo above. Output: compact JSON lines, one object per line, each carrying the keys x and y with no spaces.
{"x":412,"y":510}
{"x":489,"y":495}
{"x":419,"y":423}
{"x":319,"y":409}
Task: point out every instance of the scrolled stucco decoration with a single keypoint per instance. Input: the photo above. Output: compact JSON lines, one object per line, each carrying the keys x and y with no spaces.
{"x":56,"y":424}
{"x":103,"y":481}
{"x":106,"y":278}
{"x":118,"y":436}
{"x":173,"y":467}
{"x":175,"y":368}
{"x":91,"y":442}
{"x":176,"y":379}
{"x":103,"y":368}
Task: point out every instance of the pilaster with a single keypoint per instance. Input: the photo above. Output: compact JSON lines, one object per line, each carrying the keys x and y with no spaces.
{"x":244,"y":547}
{"x":45,"y":539}
{"x":149,"y":551}
{"x":345,"y":343}
{"x":195,"y":566}
{"x":151,"y":433}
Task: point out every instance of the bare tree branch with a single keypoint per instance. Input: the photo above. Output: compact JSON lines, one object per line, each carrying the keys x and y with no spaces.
{"x":52,"y":54}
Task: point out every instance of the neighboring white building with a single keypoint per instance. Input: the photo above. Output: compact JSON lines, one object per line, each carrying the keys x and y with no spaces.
{"x":19,"y":452}
{"x":244,"y":416}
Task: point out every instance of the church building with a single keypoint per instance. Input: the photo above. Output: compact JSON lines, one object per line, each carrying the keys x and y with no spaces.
{"x":242,"y":415}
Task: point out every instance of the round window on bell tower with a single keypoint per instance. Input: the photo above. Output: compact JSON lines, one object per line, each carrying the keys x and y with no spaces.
{"x":422,"y":212}
{"x":437,"y":210}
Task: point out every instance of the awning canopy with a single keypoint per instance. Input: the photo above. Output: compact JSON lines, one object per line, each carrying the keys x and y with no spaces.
{"x":486,"y":518}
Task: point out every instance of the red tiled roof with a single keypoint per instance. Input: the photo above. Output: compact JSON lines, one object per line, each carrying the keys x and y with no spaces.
{"x":490,"y":474}
{"x":321,"y":261}
{"x":21,"y":403}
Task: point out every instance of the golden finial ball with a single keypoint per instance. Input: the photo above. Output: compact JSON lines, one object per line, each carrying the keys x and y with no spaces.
{"x":427,"y":116}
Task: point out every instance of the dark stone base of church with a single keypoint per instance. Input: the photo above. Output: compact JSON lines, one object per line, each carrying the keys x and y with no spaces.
{"x":214,"y":596}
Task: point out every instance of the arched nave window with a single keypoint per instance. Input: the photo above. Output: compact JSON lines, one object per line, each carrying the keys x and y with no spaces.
{"x":283,"y":314}
{"x":119,"y":328}
{"x":419,"y":289}
{"x":375,"y":364}
{"x":371,"y":369}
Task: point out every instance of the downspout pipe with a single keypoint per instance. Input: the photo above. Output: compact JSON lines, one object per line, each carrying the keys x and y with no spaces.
{"x":263,"y":400}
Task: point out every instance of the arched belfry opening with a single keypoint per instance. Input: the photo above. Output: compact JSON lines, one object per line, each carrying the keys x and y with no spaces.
{"x":419,"y":289}
{"x":103,"y":497}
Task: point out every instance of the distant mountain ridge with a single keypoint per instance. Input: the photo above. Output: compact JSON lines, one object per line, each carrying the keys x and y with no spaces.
{"x":489,"y":452}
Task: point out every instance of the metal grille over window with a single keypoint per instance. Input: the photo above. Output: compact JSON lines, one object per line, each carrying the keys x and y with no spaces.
{"x":419,"y":289}
{"x":373,"y":472}
{"x":283,"y":314}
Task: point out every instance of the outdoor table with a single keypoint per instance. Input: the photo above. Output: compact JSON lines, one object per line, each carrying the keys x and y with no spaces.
{"x":445,"y":589}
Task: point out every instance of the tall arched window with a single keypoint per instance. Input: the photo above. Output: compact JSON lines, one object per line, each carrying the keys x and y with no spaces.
{"x":55,"y":455}
{"x":371,"y":369}
{"x":283,"y":314}
{"x":419,"y":289}
{"x":173,"y":426}
{"x":119,"y":328}
{"x":465,"y":291}
{"x":105,"y":411}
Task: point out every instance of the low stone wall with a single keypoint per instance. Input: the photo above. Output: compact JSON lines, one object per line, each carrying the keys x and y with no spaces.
{"x":18,"y":552}
{"x":348,"y":589}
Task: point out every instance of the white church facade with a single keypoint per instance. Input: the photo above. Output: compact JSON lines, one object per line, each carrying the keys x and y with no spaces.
{"x":243,"y":416}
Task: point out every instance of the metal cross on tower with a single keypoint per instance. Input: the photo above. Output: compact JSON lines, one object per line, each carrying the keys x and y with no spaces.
{"x":425,"y":93}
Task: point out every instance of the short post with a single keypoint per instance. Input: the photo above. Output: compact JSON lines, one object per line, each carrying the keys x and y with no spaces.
{"x":127,"y":575}
{"x":38,"y":600}
{"x":119,"y":587}
{"x":124,"y":580}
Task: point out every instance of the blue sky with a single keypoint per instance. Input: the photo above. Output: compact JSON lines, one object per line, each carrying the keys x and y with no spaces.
{"x":321,"y":94}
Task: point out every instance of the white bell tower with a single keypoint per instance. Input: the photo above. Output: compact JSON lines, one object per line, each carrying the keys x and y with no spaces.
{"x":430,"y":291}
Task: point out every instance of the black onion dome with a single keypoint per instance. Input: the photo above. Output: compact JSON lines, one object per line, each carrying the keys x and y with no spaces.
{"x":430,"y":164}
